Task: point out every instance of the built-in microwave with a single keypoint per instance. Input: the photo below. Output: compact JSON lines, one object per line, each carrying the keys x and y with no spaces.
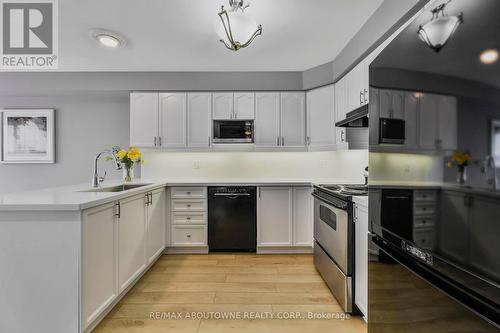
{"x":392,"y":131}
{"x":233,"y":131}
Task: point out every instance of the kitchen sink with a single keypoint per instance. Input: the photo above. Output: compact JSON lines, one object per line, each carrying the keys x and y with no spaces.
{"x":117,"y":188}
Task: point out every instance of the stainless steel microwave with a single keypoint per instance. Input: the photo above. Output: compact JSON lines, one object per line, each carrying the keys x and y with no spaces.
{"x":233,"y":131}
{"x":392,"y":131}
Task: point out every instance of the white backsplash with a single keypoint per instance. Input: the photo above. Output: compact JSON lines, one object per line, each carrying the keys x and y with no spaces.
{"x":406,"y":167}
{"x":343,"y":166}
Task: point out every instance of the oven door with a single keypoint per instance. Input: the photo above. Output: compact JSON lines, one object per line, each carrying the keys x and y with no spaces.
{"x":331,"y":231}
{"x":406,"y":295}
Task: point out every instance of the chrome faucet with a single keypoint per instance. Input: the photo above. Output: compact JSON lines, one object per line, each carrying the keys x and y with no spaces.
{"x":489,"y":165}
{"x":96,"y":179}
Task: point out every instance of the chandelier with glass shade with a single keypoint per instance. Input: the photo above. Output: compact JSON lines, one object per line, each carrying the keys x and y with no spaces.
{"x":438,"y":31}
{"x":235,"y":28}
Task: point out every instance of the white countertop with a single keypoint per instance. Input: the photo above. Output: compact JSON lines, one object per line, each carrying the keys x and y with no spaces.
{"x":74,"y":197}
{"x":437,"y":186}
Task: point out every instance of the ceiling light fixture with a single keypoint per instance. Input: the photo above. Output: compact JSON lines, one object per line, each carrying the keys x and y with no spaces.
{"x":236,"y":29}
{"x":438,"y":31}
{"x":107,"y":38}
{"x":489,"y":56}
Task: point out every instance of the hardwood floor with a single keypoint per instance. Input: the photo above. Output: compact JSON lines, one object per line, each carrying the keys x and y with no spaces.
{"x":253,"y":287}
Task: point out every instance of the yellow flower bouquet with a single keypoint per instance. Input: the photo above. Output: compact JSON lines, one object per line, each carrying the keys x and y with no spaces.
{"x":128,"y":158}
{"x":461,"y":160}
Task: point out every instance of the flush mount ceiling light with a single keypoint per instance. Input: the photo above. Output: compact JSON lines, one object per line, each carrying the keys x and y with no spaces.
{"x":107,"y":38}
{"x":438,"y":31}
{"x":489,"y":56}
{"x":235,"y":28}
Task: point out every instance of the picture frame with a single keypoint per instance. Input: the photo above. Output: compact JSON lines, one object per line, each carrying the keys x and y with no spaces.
{"x":28,"y":136}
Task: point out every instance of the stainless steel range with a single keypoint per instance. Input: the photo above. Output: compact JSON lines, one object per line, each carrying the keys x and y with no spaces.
{"x":334,"y":238}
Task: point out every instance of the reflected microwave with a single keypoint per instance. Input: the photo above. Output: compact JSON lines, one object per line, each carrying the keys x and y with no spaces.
{"x":392,"y":131}
{"x":233,"y":131}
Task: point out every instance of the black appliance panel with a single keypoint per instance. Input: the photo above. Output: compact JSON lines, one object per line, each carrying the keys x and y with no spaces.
{"x":392,"y":131}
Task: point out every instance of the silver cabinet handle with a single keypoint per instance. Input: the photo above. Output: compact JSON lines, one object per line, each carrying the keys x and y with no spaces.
{"x":282,"y":140}
{"x":308,"y":140}
{"x":188,"y":205}
{"x":155,"y":141}
{"x":235,"y":114}
{"x":365,"y":94}
{"x":118,"y":213}
{"x":188,"y":236}
{"x":360,"y":97}
{"x":147,"y":198}
{"x":278,"y":141}
{"x":342,"y":136}
{"x":209,"y":142}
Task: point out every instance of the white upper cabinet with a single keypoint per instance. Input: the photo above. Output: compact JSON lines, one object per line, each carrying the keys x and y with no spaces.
{"x":223,"y":105}
{"x":267,"y":119}
{"x":199,"y":120}
{"x":410,"y":116}
{"x":172,"y":119}
{"x":427,"y":121}
{"x":321,"y":118}
{"x":356,"y":87}
{"x":391,"y":104}
{"x":293,"y":118}
{"x":143,"y":119}
{"x":244,"y":105}
{"x":340,"y":100}
{"x":447,"y":120}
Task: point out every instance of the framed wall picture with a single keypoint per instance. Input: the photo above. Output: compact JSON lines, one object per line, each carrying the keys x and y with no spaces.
{"x":28,"y":136}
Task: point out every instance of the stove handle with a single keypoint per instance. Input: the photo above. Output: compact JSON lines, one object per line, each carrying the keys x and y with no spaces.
{"x":329,"y":202}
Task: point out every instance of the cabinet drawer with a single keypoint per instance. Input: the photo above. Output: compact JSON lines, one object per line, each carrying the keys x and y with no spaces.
{"x":424,"y":238}
{"x":183,"y":235}
{"x":189,"y":219}
{"x":423,"y":221}
{"x":187,"y":205}
{"x":424,"y":196}
{"x":188,"y":192}
{"x":423,"y":210}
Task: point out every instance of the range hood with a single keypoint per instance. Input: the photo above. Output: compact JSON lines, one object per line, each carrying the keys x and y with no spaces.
{"x":356,"y":118}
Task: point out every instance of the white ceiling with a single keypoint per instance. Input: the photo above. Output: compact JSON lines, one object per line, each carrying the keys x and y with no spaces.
{"x":178,"y":35}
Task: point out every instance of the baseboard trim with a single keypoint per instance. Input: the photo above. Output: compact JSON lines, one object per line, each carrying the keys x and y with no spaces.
{"x":186,"y":250}
{"x":285,"y":250}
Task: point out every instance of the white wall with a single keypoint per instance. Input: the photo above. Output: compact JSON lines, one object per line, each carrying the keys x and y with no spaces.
{"x":343,"y":166}
{"x":406,"y":167}
{"x":85,"y":125}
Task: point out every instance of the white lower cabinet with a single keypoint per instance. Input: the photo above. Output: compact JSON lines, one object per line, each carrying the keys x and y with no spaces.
{"x":188,"y":218}
{"x":155,"y":225}
{"x":361,"y":255}
{"x":284,"y":217}
{"x":99,"y":261}
{"x":120,"y":240}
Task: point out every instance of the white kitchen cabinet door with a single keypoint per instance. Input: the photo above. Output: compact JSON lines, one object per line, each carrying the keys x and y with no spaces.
{"x":275,"y":216}
{"x":321,"y":117}
{"x":267,"y":119}
{"x":199,"y":120}
{"x":131,"y":235}
{"x":427,"y":125}
{"x":244,"y":105}
{"x":447,"y":122}
{"x":411,"y":116}
{"x":355,"y":86}
{"x":340,"y":100}
{"x":99,"y":288}
{"x":222,"y":105}
{"x":391,"y":104}
{"x":155,"y":225}
{"x":173,"y":118}
{"x":361,"y":256}
{"x":293,"y":119}
{"x":143,"y":119}
{"x":302,"y":216}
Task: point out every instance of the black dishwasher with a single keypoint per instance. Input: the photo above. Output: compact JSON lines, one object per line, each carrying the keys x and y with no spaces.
{"x":232,"y":218}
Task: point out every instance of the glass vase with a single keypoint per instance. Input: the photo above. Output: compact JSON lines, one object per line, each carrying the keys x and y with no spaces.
{"x":128,"y":174}
{"x":461,"y":174}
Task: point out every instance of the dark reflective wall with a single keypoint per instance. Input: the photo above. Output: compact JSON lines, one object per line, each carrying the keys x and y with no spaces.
{"x":446,"y":233}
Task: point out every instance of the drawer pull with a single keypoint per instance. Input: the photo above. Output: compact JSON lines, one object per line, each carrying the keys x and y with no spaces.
{"x":188,"y":218}
{"x":189,"y":205}
{"x":188,"y":236}
{"x":188,"y":193}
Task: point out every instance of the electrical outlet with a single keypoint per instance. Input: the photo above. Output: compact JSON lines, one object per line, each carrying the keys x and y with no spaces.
{"x":196,"y":165}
